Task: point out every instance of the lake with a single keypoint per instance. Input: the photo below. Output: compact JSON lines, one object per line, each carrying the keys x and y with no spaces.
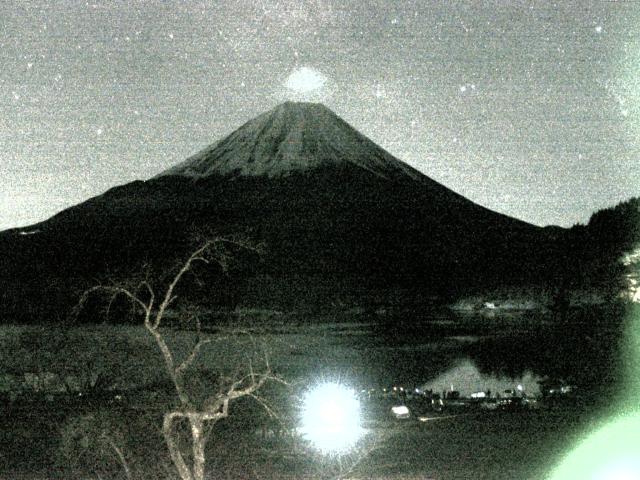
{"x":434,"y":349}
{"x":441,"y":350}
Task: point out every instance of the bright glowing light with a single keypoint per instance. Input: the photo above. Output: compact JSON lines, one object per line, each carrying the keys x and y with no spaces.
{"x":306,"y":84}
{"x":612,"y":453}
{"x":331,"y":418}
{"x":626,"y":470}
{"x":305,"y":80}
{"x":400,"y":410}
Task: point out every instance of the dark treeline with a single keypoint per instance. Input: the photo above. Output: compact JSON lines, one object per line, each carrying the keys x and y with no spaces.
{"x":593,"y":252}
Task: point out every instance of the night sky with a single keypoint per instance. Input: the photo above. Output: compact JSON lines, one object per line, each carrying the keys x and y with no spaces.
{"x":530,"y":108}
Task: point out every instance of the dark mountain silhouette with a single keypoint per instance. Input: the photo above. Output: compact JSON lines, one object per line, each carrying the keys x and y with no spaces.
{"x":343,"y":221}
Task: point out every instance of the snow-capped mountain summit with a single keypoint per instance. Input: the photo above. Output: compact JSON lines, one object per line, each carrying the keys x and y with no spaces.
{"x":294,"y":136}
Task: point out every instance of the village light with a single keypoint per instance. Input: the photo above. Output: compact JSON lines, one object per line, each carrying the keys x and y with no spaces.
{"x":400,"y":411}
{"x":331,"y":418}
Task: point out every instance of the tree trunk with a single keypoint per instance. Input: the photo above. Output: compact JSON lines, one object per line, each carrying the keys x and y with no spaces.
{"x":198,"y":445}
{"x":174,"y":449}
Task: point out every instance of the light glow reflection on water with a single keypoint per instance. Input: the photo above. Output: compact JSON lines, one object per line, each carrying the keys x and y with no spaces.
{"x":465,"y":377}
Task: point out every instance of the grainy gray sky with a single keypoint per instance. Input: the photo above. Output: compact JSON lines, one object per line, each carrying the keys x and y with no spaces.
{"x":530,"y":108}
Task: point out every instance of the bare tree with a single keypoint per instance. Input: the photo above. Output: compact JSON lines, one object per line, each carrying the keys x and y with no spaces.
{"x":201,"y":412}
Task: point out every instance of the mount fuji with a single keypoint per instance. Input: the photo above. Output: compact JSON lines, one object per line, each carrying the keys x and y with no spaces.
{"x":342,"y":221}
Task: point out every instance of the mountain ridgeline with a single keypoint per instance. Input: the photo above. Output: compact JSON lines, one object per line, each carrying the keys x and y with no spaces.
{"x":342,"y":222}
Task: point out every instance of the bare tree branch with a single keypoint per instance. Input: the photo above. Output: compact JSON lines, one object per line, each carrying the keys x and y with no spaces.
{"x":119,"y":454}
{"x":215,"y":407}
{"x":168,"y":296}
{"x":114,"y":291}
{"x":186,"y":363}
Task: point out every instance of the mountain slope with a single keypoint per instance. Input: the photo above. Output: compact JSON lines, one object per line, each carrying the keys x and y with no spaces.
{"x":291,"y":137}
{"x":342,"y":221}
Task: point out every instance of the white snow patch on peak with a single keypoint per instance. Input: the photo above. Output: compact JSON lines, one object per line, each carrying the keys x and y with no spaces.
{"x":294,"y":136}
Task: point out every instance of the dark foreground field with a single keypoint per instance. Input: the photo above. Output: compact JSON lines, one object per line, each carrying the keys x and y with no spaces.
{"x":488,"y":445}
{"x":56,"y":435}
